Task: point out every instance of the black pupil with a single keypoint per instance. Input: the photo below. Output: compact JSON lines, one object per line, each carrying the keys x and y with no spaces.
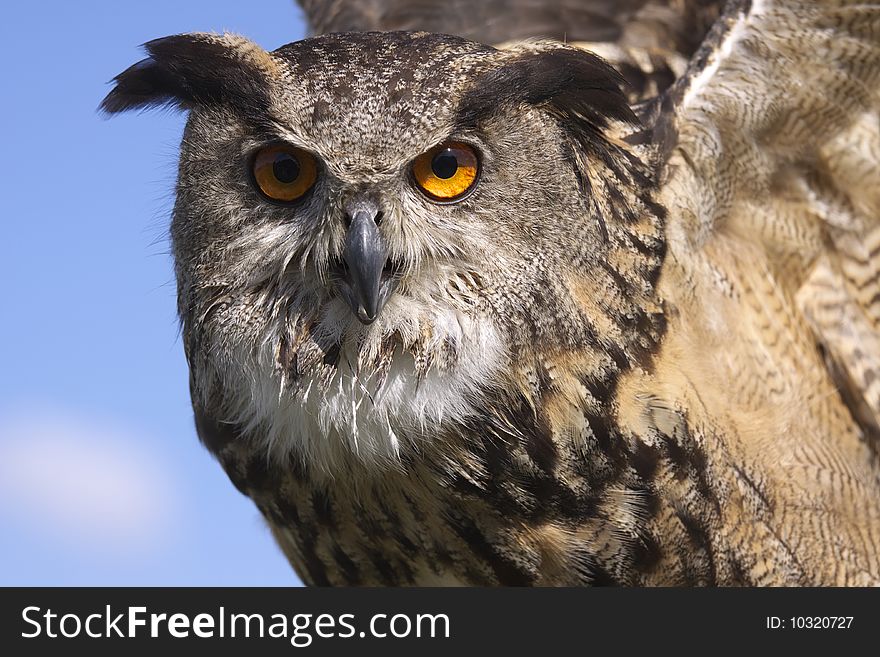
{"x":445,"y":164}
{"x":285,"y":168}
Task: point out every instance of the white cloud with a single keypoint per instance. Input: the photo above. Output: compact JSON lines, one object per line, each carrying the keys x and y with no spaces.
{"x":83,"y":481}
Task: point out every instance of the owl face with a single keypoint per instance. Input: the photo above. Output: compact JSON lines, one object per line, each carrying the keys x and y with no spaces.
{"x":381,"y":216}
{"x":374,"y":182}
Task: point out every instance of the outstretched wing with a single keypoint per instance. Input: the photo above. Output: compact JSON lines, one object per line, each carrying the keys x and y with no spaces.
{"x":773,"y":135}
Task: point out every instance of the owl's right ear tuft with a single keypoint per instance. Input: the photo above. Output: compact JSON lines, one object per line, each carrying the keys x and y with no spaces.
{"x":189,"y":70}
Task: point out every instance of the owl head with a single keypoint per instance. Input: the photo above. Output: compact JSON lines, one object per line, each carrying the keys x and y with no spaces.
{"x":373,"y":231}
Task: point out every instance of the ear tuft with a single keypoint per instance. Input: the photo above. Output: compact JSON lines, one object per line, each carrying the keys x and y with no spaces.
{"x":195,"y":69}
{"x":141,"y":86}
{"x":567,"y":81}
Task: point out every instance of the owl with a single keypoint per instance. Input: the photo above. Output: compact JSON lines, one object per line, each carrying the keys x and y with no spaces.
{"x":586,"y":294}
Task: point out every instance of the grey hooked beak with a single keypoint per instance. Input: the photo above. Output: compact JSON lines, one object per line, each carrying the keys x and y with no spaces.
{"x":365,"y":255}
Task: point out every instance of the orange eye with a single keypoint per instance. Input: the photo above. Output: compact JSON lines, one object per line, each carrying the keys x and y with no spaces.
{"x":284,"y":173}
{"x":446,"y":172}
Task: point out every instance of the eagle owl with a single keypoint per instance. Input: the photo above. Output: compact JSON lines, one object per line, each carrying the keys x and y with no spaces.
{"x":525,"y":314}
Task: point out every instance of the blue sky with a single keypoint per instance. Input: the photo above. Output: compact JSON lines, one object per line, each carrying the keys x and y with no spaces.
{"x":102,"y":478}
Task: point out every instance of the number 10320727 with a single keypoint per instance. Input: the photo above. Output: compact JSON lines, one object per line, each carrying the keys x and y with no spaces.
{"x":809,"y":622}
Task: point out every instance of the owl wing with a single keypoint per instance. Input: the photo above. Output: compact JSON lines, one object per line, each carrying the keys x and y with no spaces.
{"x":773,"y":135}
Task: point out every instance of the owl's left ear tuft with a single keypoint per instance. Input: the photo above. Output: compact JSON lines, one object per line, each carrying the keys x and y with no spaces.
{"x":188,"y":70}
{"x":569,"y":82}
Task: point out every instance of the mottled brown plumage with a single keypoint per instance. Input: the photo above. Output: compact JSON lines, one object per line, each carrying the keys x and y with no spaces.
{"x":643,"y":350}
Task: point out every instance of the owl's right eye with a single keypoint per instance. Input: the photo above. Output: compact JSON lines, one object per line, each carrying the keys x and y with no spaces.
{"x":284,"y":173}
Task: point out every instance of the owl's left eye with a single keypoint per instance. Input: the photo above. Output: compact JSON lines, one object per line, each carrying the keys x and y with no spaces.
{"x":284,"y":173}
{"x":446,"y":172}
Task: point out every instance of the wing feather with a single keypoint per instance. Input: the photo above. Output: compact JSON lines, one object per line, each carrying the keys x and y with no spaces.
{"x":773,"y":135}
